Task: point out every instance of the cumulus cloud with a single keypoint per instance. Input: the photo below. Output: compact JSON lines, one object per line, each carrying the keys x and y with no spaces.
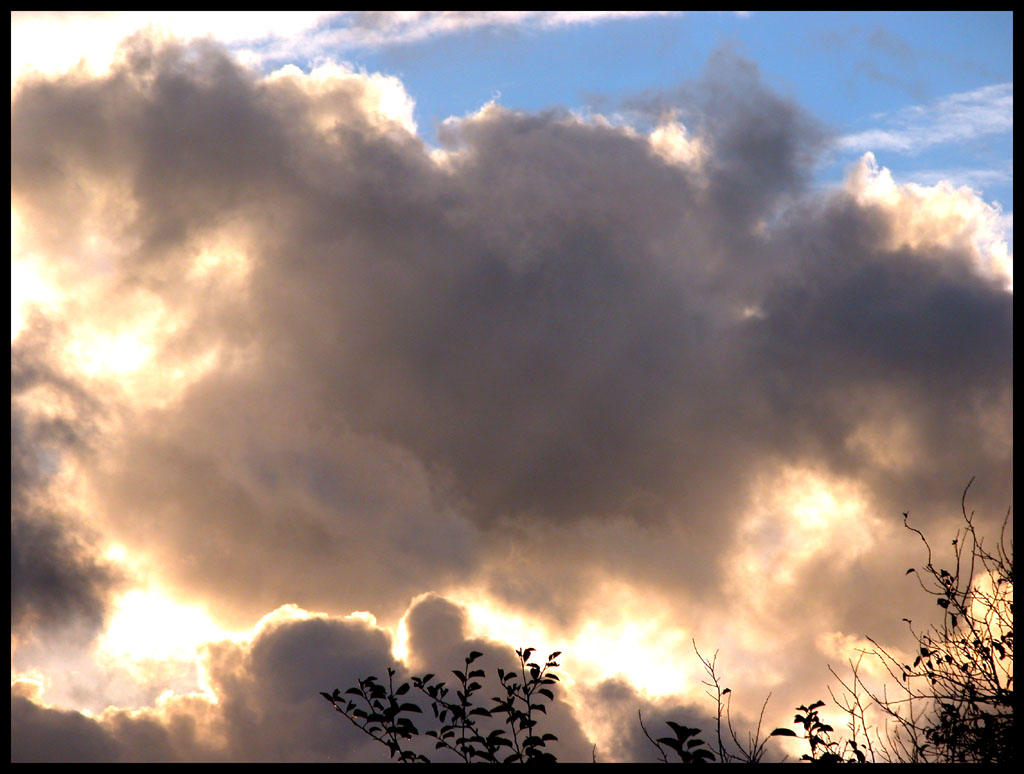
{"x":262,"y":699}
{"x":567,"y":367}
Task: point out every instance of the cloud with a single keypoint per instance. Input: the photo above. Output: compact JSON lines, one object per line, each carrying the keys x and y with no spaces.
{"x":52,"y":41}
{"x":267,"y":705}
{"x":554,"y":366}
{"x":59,"y":584}
{"x":618,"y":710}
{"x":955,"y":118}
{"x":363,"y":30}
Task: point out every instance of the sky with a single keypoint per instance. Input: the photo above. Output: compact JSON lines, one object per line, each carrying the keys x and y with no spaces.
{"x":349,"y":340}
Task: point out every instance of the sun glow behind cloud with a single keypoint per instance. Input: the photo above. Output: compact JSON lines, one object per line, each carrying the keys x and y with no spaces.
{"x":29,"y":290}
{"x":624,"y":632}
{"x":797,"y":515}
{"x":150,"y":625}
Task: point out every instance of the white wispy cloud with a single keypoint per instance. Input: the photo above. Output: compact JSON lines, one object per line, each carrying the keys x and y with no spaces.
{"x":955,"y":118}
{"x":259,"y":36}
{"x":348,"y":31}
{"x":976,"y":178}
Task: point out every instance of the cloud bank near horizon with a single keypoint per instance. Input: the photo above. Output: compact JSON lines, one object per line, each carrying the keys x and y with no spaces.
{"x":293,"y":356}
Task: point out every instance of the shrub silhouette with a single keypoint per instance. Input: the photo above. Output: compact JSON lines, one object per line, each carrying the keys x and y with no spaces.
{"x":818,"y":735}
{"x":379,"y":712}
{"x":953,"y":704}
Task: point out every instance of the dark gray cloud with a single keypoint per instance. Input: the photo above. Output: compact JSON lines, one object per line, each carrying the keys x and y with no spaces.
{"x":34,"y":729}
{"x":616,"y":704}
{"x":59,"y":584}
{"x":56,"y":581}
{"x":548,"y":358}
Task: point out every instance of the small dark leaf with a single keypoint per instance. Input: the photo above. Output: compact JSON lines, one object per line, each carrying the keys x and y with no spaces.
{"x":402,"y":689}
{"x":682,"y":732}
{"x":783,"y":732}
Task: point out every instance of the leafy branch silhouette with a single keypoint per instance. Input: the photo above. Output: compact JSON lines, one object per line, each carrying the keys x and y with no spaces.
{"x":382,"y":716}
